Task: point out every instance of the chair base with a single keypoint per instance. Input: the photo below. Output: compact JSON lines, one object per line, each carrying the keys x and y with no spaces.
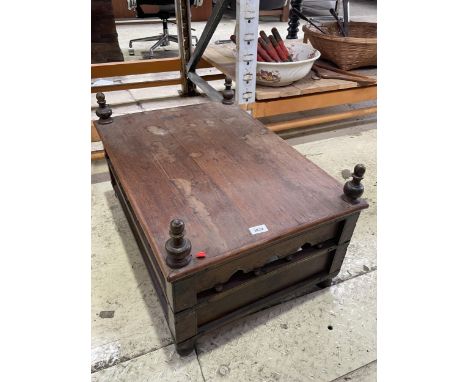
{"x":163,"y":39}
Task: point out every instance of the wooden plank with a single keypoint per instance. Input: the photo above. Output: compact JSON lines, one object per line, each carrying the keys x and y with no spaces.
{"x":94,"y":134}
{"x":313,"y":101}
{"x":303,"y":87}
{"x":115,"y":69}
{"x":272,"y":12}
{"x":303,"y":122}
{"x":96,"y":155}
{"x":310,"y":86}
{"x":149,"y":84}
{"x":268,"y":92}
{"x":222,"y":57}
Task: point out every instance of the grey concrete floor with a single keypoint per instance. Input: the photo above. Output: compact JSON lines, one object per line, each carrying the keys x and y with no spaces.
{"x":288,"y":342}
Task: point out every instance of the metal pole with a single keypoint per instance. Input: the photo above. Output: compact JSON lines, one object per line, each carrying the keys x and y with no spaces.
{"x":247,"y":12}
{"x":207,"y":33}
{"x":345,"y":16}
{"x":182,"y":8}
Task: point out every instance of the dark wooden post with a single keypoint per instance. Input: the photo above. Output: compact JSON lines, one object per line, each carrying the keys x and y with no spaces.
{"x":178,"y":247}
{"x":104,"y":111}
{"x":182,"y":8}
{"x":293,"y":22}
{"x":228,"y":93}
{"x":353,"y":189}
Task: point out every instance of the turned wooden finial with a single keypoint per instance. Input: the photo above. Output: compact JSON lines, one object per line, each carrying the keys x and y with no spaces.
{"x":228,"y":93}
{"x":353,"y":189}
{"x":178,"y":247}
{"x":104,"y":112}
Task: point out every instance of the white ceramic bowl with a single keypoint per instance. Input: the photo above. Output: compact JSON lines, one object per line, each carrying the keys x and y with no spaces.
{"x":285,"y":73}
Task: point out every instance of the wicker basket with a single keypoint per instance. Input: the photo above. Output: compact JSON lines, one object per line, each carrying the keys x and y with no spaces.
{"x":355,"y":51}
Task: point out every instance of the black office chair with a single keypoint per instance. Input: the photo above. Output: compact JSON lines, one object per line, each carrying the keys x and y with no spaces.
{"x":166,"y":10}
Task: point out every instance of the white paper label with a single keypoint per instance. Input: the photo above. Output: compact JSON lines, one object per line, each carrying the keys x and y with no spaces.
{"x":258,"y":229}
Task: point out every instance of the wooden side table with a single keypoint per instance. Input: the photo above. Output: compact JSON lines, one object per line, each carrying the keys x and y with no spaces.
{"x":228,"y":217}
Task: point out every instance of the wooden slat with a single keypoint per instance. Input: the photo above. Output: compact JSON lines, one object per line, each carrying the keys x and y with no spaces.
{"x":265,"y":92}
{"x":149,"y":84}
{"x":222,"y":57}
{"x":313,"y":101}
{"x":99,"y":154}
{"x":303,"y":122}
{"x":114,"y":69}
{"x":272,"y":12}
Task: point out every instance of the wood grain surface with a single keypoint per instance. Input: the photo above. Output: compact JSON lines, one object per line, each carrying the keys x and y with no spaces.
{"x":222,"y":57}
{"x":222,"y":172}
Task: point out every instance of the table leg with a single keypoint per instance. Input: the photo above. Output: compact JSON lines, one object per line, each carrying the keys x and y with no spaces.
{"x":185,"y":348}
{"x":293,"y":22}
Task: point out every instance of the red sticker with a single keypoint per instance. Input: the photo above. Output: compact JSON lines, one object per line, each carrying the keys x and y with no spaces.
{"x":201,"y":255}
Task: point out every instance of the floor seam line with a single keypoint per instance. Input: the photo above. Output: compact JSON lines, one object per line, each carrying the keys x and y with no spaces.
{"x":132,"y":358}
{"x":199,"y":363}
{"x":357,"y":275}
{"x":353,"y":371}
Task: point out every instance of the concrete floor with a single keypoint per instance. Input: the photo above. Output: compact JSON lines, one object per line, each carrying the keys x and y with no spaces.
{"x":329,"y":335}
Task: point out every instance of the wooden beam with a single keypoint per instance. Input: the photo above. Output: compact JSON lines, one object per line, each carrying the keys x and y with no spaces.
{"x":94,"y":134}
{"x":130,"y":21}
{"x":96,"y":155}
{"x":272,"y":12}
{"x":303,"y":122}
{"x":313,"y":101}
{"x":114,"y":69}
{"x":150,"y":84}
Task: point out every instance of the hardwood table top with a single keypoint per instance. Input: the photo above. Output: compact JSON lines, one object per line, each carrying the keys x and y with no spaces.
{"x":223,"y":58}
{"x":221,"y":172}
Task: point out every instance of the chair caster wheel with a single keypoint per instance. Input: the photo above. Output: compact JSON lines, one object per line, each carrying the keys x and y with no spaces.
{"x":131,"y":52}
